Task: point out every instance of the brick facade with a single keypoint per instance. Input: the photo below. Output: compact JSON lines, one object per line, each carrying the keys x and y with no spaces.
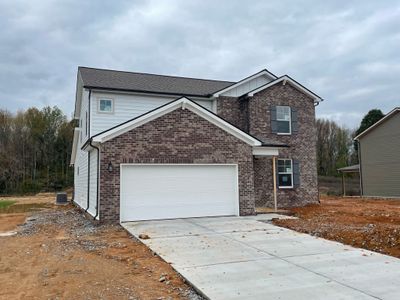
{"x":302,"y":146}
{"x":177,"y":137}
{"x":234,"y":110}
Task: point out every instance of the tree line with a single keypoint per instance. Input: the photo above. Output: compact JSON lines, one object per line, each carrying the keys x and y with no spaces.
{"x":336,"y":147}
{"x":35,"y":149}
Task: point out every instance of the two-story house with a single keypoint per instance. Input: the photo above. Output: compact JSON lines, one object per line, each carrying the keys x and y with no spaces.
{"x":157,"y":147}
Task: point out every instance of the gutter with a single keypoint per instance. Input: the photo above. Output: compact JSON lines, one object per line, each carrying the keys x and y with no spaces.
{"x":97,"y":172}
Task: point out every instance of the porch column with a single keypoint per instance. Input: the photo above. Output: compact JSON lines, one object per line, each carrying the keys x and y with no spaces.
{"x":274,"y":179}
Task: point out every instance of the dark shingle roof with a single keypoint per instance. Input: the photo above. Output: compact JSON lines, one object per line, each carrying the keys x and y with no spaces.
{"x":152,"y":83}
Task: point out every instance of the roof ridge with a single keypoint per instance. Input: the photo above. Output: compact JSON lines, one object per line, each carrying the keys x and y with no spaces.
{"x":153,"y":74}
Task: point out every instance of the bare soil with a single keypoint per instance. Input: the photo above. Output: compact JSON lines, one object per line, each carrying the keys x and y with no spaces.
{"x":372,"y":224}
{"x":60,"y":253}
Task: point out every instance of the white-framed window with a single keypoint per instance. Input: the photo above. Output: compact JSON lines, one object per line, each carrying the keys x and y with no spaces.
{"x":105,"y":105}
{"x":285,"y":173}
{"x":283,"y":119}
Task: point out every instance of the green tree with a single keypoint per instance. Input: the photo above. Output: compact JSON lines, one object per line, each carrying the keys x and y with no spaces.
{"x":373,"y":116}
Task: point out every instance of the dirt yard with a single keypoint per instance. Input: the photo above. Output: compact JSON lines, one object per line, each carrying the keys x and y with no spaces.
{"x":365,"y":223}
{"x":58,"y":253}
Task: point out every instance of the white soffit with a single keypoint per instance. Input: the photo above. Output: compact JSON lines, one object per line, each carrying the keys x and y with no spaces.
{"x":265,"y":151}
{"x":183,"y":103}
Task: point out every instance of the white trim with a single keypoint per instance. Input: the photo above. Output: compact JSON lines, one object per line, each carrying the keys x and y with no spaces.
{"x":290,"y":120}
{"x":285,"y":79}
{"x":261,"y":73}
{"x":265,"y":151}
{"x":74,"y":145}
{"x":291,"y":162}
{"x":237,"y":204}
{"x":98,"y":99}
{"x":179,"y":103}
{"x":387,"y":116}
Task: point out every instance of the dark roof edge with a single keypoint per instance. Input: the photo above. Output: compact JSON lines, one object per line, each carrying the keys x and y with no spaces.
{"x":153,"y":74}
{"x":144,"y":91}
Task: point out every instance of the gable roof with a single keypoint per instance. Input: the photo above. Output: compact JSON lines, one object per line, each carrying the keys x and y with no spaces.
{"x":183,"y":103}
{"x":149,"y":83}
{"x":263,"y":72}
{"x":385,"y":118}
{"x":285,"y":79}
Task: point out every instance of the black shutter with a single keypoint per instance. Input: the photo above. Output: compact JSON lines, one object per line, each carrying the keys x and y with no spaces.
{"x":274,"y":123}
{"x":295,"y":127}
{"x":296,"y":173}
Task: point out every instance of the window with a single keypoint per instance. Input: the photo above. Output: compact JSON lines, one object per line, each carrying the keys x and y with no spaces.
{"x":106,"y":106}
{"x":285,"y":173}
{"x":283,"y":119}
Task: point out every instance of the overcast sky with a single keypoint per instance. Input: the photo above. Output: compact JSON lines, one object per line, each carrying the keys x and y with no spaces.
{"x":348,"y":52}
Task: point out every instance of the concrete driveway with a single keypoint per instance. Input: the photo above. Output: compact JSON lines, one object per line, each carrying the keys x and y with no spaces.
{"x":245,"y":258}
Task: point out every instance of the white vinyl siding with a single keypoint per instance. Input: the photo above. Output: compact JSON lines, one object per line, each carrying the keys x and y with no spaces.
{"x":81,"y":160}
{"x":126,"y":107}
{"x":164,"y":191}
{"x":247,"y":86}
{"x":93,"y":182}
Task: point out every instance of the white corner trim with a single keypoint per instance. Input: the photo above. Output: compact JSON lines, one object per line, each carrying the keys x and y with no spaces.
{"x":387,"y":116}
{"x":74,"y":145}
{"x":285,"y":79}
{"x":183,"y":103}
{"x":261,"y":73}
{"x":265,"y":151}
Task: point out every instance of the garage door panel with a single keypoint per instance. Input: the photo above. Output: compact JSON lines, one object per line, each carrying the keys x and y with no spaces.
{"x":177,"y":191}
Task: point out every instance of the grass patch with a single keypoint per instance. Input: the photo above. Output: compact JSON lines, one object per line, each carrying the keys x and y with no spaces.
{"x":6,"y":203}
{"x":21,"y":208}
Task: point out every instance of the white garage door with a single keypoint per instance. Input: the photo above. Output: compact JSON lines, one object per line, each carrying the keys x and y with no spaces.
{"x":178,"y":191}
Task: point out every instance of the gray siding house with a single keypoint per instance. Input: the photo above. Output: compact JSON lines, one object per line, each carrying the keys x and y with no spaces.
{"x":379,"y":153}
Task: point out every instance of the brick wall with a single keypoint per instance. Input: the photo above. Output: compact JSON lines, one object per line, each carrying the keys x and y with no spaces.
{"x":302,"y":146}
{"x":177,"y":137}
{"x":233,"y":110}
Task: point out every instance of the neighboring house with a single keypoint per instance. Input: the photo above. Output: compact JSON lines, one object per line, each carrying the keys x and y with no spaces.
{"x":154,"y":147}
{"x":379,"y":156}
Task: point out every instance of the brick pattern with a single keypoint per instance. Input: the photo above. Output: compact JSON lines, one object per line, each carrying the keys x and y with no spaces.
{"x":302,"y":146}
{"x":233,"y":110}
{"x":177,"y":137}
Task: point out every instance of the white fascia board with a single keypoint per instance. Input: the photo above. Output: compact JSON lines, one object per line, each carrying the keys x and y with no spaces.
{"x":183,"y":103}
{"x":78,"y":96}
{"x":265,"y":151}
{"x":387,"y":116}
{"x":74,"y":146}
{"x":285,"y":79}
{"x":261,"y":73}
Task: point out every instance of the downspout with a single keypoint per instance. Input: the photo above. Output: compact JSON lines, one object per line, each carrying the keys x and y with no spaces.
{"x":88,"y":184}
{"x":97,"y":171}
{"x":88,"y":134}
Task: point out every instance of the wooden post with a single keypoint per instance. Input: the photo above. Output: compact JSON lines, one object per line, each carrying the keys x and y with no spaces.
{"x":274,"y":177}
{"x":343,"y":186}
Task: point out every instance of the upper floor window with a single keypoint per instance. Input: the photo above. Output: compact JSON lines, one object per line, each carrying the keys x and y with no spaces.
{"x":283,"y":119}
{"x":285,"y":173}
{"x":106,"y":106}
